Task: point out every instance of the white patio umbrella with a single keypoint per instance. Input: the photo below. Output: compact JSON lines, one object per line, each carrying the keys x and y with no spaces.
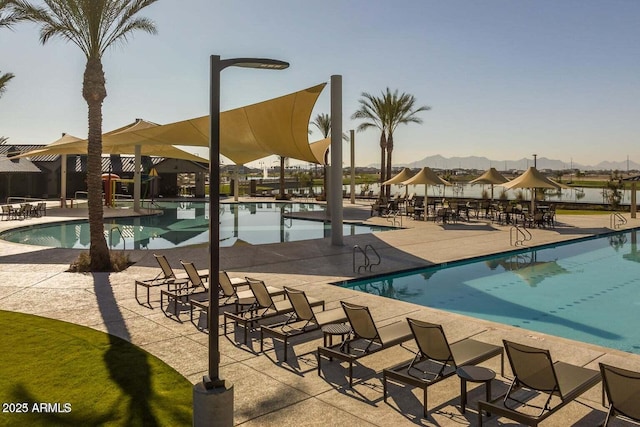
{"x":427,"y":177}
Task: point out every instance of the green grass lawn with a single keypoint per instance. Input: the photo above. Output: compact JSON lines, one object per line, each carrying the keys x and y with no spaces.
{"x":63,"y":374}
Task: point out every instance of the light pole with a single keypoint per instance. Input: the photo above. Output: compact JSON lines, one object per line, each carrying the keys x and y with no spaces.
{"x":212,"y":381}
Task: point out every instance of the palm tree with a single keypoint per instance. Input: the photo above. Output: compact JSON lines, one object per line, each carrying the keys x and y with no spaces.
{"x":400,"y":110}
{"x":93,"y":26}
{"x":4,"y":79}
{"x":7,"y":18}
{"x":323,"y":123}
{"x":373,"y":110}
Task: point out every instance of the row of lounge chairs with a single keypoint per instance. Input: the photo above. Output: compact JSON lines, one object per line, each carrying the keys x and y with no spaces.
{"x":436,"y":358}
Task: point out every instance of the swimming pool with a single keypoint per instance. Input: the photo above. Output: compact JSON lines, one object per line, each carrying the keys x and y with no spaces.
{"x":587,"y":291}
{"x":183,"y":224}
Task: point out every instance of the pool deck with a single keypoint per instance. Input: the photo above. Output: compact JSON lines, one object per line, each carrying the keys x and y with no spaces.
{"x":269,"y":391}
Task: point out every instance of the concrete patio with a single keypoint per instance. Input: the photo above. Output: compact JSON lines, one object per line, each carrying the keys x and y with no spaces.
{"x":269,"y":391}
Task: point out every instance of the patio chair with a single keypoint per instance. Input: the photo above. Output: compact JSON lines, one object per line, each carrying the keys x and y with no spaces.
{"x":622,"y":388}
{"x":305,"y":320}
{"x":169,"y":273}
{"x":365,"y":331}
{"x":436,"y":359}
{"x":165,"y":277}
{"x":264,"y":308}
{"x":229,"y":295}
{"x":534,"y":370}
{"x":181,"y":296}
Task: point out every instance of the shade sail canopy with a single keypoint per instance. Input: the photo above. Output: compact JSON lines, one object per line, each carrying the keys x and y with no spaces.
{"x":426,"y":176}
{"x":532,"y":178}
{"x":277,"y":126}
{"x":491,"y":176}
{"x":402,"y":176}
{"x":69,"y":144}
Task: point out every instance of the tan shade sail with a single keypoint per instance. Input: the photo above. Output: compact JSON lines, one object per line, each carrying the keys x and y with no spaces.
{"x":491,"y":176}
{"x":277,"y":126}
{"x":319,"y":148}
{"x":71,"y":145}
{"x":402,"y":176}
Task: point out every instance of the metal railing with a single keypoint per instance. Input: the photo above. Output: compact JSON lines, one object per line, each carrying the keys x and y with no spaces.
{"x":617,"y":220}
{"x":109,"y":233}
{"x":368,"y":264}
{"x":518,"y":235}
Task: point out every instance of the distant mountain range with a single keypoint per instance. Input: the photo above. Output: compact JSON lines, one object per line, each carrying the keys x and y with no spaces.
{"x":481,"y":163}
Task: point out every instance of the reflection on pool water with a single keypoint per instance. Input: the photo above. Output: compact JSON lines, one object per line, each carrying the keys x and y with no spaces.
{"x":186,"y":224}
{"x":587,"y":291}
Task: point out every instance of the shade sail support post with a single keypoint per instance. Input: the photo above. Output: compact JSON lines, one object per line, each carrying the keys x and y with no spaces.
{"x":137,"y":181}
{"x":335,"y":192}
{"x":352,"y":178}
{"x":63,"y":181}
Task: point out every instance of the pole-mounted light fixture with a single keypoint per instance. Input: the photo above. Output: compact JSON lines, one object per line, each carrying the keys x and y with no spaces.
{"x":213,"y":380}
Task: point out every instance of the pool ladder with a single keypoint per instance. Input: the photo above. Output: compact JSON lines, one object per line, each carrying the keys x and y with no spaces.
{"x":616,"y":220}
{"x":110,"y":235}
{"x":367,"y":261}
{"x":518,"y":235}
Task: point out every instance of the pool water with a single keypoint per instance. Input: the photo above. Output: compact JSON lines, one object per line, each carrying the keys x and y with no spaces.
{"x":186,"y":224}
{"x":587,"y":291}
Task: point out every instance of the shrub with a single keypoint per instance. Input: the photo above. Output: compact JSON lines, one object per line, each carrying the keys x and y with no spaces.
{"x":119,"y":261}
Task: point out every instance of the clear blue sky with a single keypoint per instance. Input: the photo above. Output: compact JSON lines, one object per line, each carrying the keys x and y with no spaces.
{"x":504,"y":78}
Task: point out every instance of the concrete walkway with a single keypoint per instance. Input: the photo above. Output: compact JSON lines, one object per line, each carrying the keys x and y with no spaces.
{"x":269,"y":391}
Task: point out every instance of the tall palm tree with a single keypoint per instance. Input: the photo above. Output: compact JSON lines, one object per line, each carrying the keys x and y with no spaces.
{"x":401,"y":109}
{"x":373,"y":110}
{"x":93,"y":26}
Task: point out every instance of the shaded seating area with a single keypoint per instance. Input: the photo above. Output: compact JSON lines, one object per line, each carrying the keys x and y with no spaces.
{"x":436,"y":359}
{"x":537,"y":376}
{"x":622,"y":389}
{"x":365,"y":333}
{"x":305,"y":320}
{"x":265,"y":308}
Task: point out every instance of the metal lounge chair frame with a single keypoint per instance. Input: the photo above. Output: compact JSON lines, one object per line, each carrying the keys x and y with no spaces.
{"x":165,"y":277}
{"x":434,"y":348}
{"x":622,"y":388}
{"x":364,"y":328}
{"x":229,"y":295}
{"x":305,"y":320}
{"x":197,"y":291}
{"x":264,"y":308}
{"x":534,"y":369}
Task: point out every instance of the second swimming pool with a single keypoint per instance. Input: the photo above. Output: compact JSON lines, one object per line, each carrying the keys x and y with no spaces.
{"x":587,"y":291}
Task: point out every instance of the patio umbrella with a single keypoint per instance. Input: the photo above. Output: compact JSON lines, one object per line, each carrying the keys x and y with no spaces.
{"x":427,"y":177}
{"x":532,"y":179}
{"x":491,"y":176}
{"x":402,"y":176}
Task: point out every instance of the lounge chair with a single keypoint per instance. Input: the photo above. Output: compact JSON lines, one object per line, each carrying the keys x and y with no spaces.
{"x":305,"y":320}
{"x":165,"y":277}
{"x":436,"y":359}
{"x":622,"y":388}
{"x":169,"y":273}
{"x":264,"y":308}
{"x":534,"y":370}
{"x":176,"y":299}
{"x":364,"y":329}
{"x":229,"y":295}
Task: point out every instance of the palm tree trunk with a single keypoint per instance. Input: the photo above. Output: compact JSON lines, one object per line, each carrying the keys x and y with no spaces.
{"x":94,"y":92}
{"x":383,"y":148}
{"x":389,"y":152}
